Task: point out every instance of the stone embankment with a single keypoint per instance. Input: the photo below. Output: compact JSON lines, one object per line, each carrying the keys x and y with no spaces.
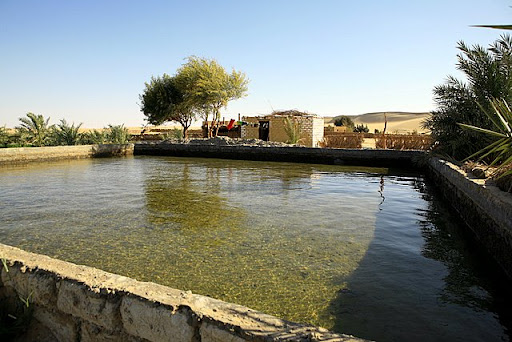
{"x":485,"y":208}
{"x":32,"y":154}
{"x":78,"y":303}
{"x":268,"y":151}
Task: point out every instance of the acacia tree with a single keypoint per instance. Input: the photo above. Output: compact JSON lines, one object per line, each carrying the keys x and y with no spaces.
{"x":34,"y":129}
{"x":164,"y":100}
{"x":208,"y":87}
{"x":489,"y":75}
{"x":344,"y":120}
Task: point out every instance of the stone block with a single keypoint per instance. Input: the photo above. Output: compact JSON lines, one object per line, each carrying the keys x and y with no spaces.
{"x":92,"y":333}
{"x":155,"y":322}
{"x":43,"y":289}
{"x":62,"y":326}
{"x":15,"y":277}
{"x":211,"y":333}
{"x":93,"y":306}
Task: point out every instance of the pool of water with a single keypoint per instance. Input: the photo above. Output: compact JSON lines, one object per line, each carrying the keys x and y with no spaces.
{"x":366,"y":251}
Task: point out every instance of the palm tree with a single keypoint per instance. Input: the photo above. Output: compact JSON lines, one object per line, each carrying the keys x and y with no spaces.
{"x":66,"y":134}
{"x":34,"y":129}
{"x":488,"y":74}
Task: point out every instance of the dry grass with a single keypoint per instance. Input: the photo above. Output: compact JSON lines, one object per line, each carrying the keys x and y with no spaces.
{"x":404,"y":142}
{"x":344,"y":140}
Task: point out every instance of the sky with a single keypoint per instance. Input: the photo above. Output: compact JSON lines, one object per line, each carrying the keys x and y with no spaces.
{"x":87,"y":61}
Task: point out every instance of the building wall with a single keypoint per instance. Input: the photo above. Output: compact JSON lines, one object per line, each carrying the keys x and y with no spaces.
{"x":312,"y":129}
{"x":318,"y":130}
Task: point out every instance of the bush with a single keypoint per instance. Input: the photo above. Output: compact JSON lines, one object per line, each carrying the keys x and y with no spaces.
{"x":93,"y":137}
{"x":361,"y":129}
{"x":117,"y":134}
{"x":4,"y":136}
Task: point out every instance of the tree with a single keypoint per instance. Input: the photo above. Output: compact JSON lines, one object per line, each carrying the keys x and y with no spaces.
{"x":344,"y":120}
{"x":489,"y":75}
{"x":64,"y":134}
{"x":208,"y":87}
{"x":164,"y":100}
{"x":35,"y":129}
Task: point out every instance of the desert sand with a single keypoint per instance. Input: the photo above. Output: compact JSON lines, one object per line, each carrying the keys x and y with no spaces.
{"x":398,"y":122}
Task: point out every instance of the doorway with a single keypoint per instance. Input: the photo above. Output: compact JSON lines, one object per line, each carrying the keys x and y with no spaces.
{"x":264,"y":130}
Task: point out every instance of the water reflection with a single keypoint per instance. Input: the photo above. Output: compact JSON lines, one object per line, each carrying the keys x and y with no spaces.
{"x":177,"y":199}
{"x":433,"y":272}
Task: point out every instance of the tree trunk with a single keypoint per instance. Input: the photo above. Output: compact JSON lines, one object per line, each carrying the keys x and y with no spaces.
{"x":384,"y":131}
{"x":185,"y":133}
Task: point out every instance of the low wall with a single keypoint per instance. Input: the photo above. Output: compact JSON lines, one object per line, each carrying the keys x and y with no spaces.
{"x":365,"y":157}
{"x":79,"y":303}
{"x":485,"y":208}
{"x":30,"y":154}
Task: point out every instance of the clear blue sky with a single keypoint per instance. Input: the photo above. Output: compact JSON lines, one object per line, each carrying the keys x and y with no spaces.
{"x":87,"y":61}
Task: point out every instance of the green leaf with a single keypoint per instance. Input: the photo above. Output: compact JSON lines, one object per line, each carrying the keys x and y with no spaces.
{"x":482,"y":130}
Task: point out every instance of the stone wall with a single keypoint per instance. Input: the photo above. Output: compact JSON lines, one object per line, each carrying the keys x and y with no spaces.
{"x":30,"y":154}
{"x":79,"y":303}
{"x":486,"y":209}
{"x":377,"y":158}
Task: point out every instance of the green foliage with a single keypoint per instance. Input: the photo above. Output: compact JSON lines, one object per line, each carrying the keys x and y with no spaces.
{"x":164,"y":100}
{"x":117,"y":134}
{"x":488,"y":75}
{"x":35,"y":130}
{"x":500,"y":150}
{"x":175,"y":134}
{"x":4,"y":136}
{"x":344,"y":120}
{"x":93,"y":137}
{"x":64,"y":134}
{"x":208,"y":87}
{"x":293,"y":129}
{"x":361,"y":129}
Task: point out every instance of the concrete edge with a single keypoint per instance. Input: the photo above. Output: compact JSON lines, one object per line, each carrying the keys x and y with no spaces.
{"x":236,"y":320}
{"x":485,"y":208}
{"x":35,"y":154}
{"x":362,"y":157}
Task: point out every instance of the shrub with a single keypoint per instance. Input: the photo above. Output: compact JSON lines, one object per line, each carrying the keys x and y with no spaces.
{"x":117,"y":134}
{"x":293,"y":129}
{"x":93,"y":137}
{"x":4,"y":136}
{"x":361,"y":129}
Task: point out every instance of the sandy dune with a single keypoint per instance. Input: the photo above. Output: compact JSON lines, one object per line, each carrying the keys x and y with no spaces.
{"x":398,"y":122}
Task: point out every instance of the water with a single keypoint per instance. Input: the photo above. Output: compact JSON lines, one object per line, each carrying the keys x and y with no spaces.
{"x":363,"y":251}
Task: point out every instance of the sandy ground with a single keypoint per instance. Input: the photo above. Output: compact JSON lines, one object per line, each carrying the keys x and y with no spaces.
{"x":397,"y":122}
